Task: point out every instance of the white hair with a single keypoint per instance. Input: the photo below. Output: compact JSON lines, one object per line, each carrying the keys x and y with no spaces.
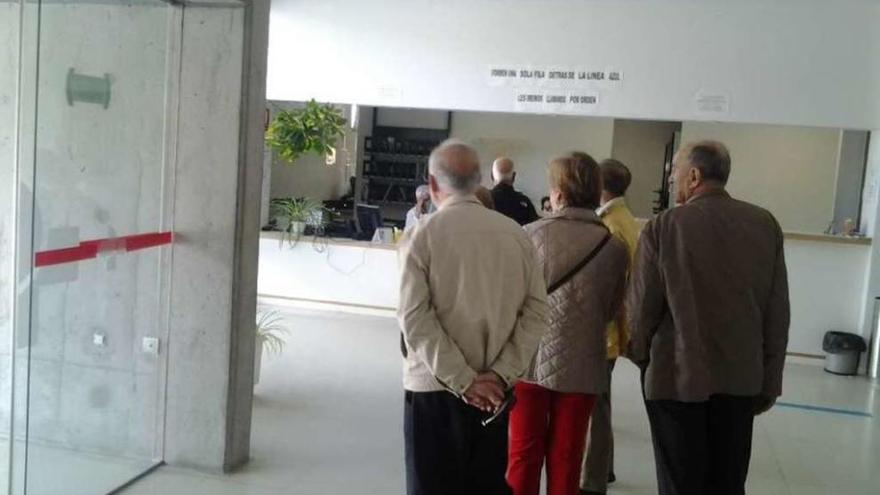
{"x":450,"y":180}
{"x":502,"y":177}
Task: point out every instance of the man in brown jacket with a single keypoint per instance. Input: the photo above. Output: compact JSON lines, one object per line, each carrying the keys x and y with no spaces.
{"x":709,"y":315}
{"x":473,"y":307}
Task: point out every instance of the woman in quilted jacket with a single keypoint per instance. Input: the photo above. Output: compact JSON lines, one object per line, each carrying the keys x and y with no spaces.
{"x":585,"y":270}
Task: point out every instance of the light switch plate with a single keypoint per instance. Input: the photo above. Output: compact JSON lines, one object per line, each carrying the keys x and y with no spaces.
{"x":150,"y":345}
{"x":99,"y":339}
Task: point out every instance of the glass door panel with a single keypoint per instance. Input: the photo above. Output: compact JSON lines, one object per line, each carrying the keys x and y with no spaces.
{"x":97,"y":291}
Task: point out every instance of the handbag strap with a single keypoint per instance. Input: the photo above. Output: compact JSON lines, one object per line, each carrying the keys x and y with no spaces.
{"x":580,"y":266}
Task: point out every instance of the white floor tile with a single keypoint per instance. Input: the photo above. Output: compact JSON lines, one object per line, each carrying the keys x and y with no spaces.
{"x":328,"y":419}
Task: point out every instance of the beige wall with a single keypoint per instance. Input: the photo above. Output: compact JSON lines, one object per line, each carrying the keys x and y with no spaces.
{"x":791,"y":171}
{"x":309,"y":177}
{"x":531,"y":141}
{"x":640,"y":145}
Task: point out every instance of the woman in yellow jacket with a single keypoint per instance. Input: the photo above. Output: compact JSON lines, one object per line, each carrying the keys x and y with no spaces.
{"x":598,"y":464}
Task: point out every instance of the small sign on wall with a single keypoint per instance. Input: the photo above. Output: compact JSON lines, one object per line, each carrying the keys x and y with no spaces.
{"x":712,"y":104}
{"x":554,"y":89}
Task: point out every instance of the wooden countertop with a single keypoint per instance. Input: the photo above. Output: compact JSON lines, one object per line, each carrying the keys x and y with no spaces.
{"x":833,"y":239}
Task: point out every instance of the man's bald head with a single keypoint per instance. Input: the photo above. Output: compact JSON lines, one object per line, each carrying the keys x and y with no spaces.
{"x":455,"y":166}
{"x":502,"y":170}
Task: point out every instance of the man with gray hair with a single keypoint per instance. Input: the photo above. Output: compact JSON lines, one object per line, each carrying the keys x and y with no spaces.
{"x":422,"y":207}
{"x":473,"y":307}
{"x":709,"y":315}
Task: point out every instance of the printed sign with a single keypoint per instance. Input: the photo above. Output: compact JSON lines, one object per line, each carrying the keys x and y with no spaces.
{"x":712,"y":104}
{"x":560,"y":77}
{"x":557,"y":102}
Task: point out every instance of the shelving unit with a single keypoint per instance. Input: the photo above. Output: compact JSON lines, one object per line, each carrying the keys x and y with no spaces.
{"x":395,"y":163}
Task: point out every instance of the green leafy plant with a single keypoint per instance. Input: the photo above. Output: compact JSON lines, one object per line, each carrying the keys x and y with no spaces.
{"x":296,"y":209}
{"x":272,"y":331}
{"x":291,"y":215}
{"x":313,"y":129}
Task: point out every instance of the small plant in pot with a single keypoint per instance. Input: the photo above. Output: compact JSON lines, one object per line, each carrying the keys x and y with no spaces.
{"x":271,"y":337}
{"x":293,"y":214}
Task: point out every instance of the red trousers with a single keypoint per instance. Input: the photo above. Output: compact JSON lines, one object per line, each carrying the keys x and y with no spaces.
{"x":547,"y":425}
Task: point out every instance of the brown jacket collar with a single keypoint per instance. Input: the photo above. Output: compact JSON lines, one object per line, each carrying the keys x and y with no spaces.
{"x":710,"y":193}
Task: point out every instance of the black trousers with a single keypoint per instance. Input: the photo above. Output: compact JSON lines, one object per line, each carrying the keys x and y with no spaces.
{"x":702,"y":448}
{"x":448,"y":451}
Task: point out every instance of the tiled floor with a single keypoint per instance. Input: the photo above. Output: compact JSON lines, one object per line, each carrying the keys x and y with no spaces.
{"x":327,"y":420}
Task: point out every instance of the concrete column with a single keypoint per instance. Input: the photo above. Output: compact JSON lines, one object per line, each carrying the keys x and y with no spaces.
{"x":247,"y":238}
{"x":216,"y":220}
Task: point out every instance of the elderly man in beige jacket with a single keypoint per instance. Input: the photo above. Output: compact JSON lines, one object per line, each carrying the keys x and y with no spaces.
{"x":473,"y":307}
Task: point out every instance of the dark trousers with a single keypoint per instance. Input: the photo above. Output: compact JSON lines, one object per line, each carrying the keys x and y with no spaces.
{"x":448,"y":451}
{"x":704,"y":447}
{"x":598,"y":461}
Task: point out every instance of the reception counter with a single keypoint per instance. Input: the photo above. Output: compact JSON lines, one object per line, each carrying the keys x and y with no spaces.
{"x":827,"y":278}
{"x":324,"y":272}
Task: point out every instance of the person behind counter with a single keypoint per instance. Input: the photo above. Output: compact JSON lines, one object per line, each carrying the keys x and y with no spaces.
{"x":508,"y":201}
{"x":545,"y":205}
{"x":422,"y":207}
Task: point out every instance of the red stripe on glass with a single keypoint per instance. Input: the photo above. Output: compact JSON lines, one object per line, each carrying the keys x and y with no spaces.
{"x":90,"y":249}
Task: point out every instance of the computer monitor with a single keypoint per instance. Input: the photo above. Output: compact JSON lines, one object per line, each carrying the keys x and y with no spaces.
{"x":369,"y":218}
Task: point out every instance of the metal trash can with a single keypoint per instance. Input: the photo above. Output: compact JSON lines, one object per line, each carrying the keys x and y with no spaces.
{"x":843,"y":352}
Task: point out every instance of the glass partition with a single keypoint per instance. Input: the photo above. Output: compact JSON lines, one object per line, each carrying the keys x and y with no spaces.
{"x":96,"y":145}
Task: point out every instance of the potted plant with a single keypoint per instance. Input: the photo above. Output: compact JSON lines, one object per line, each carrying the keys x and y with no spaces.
{"x":271,"y":337}
{"x":314,"y":128}
{"x":293,"y":214}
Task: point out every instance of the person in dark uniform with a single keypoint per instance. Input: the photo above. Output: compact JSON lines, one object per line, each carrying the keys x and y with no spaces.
{"x":509,"y":201}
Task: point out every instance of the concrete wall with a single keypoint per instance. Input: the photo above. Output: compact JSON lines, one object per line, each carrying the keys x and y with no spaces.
{"x":531,"y":141}
{"x":791,"y":171}
{"x":776,"y":62}
{"x":640,"y":145}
